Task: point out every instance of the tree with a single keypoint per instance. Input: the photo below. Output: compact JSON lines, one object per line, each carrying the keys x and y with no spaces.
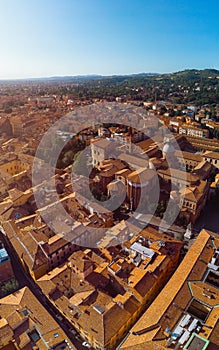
{"x":9,"y":287}
{"x":8,"y":110}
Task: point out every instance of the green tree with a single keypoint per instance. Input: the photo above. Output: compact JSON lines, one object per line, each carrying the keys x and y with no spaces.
{"x":9,"y":287}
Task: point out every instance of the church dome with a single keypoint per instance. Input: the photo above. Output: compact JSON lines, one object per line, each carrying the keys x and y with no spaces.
{"x":168,"y":148}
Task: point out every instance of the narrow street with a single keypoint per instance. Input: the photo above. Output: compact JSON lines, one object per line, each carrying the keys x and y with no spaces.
{"x":25,"y":280}
{"x":209,"y":217}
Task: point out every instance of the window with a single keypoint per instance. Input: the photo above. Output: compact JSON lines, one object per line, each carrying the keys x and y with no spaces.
{"x":25,"y":312}
{"x":34,"y":336}
{"x":212,"y":279}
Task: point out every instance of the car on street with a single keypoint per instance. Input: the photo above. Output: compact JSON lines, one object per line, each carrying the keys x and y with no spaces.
{"x":60,"y":318}
{"x":73,"y":331}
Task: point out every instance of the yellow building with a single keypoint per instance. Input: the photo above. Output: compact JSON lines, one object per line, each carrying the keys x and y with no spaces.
{"x":193,"y":200}
{"x":14,"y":167}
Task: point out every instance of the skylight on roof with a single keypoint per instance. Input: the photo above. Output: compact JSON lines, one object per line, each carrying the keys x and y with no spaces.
{"x":25,"y":312}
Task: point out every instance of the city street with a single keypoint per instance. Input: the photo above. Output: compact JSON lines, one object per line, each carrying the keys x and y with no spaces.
{"x":25,"y":280}
{"x":209,"y":217}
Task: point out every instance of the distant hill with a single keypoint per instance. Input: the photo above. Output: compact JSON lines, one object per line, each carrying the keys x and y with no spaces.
{"x":194,"y":73}
{"x":80,"y":77}
{"x":186,"y":74}
{"x":190,"y":86}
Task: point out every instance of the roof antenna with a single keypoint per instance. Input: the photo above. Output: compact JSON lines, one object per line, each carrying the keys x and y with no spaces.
{"x":213,"y":244}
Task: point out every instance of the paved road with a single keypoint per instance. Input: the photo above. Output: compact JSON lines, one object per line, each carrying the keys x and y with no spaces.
{"x":25,"y":280}
{"x":209,"y":217}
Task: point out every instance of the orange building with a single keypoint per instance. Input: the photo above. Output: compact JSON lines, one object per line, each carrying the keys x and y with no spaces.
{"x":185,"y":314}
{"x":25,"y":324}
{"x":140,"y":183}
{"x":102,"y":292}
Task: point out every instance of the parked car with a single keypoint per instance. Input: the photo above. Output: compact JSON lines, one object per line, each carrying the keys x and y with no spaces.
{"x":60,"y":318}
{"x":73,"y":331}
{"x":86,"y":344}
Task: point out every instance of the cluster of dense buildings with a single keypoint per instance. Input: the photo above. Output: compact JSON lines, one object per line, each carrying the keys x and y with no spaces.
{"x":102,"y":292}
{"x":26,"y":324}
{"x":187,"y":181}
{"x":185,"y":314}
{"x":97,"y":288}
{"x":108,"y":278}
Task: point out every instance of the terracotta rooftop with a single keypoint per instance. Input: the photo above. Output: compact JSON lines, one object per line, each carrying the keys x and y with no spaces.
{"x":189,"y":156}
{"x":15,"y":194}
{"x":145,"y":144}
{"x":104,"y":318}
{"x":179,"y":174}
{"x":133,"y":160}
{"x":168,"y":308}
{"x":195,"y":193}
{"x":124,"y":172}
{"x":141,"y":176}
{"x":80,"y":260}
{"x":101,"y":143}
{"x":26,"y":243}
{"x":23,"y":313}
{"x":202,"y":168}
{"x":213,"y":155}
{"x":111,"y":167}
{"x":54,"y":243}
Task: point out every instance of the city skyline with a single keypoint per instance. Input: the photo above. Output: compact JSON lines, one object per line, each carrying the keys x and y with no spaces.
{"x":111,"y":38}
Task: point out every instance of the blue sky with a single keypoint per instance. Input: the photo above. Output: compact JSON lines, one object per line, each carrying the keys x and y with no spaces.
{"x":69,"y":37}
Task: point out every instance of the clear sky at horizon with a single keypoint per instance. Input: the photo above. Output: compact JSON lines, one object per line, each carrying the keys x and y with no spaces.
{"x":41,"y":38}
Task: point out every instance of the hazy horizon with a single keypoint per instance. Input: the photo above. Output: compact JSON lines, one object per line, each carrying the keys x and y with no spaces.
{"x":101,"y":75}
